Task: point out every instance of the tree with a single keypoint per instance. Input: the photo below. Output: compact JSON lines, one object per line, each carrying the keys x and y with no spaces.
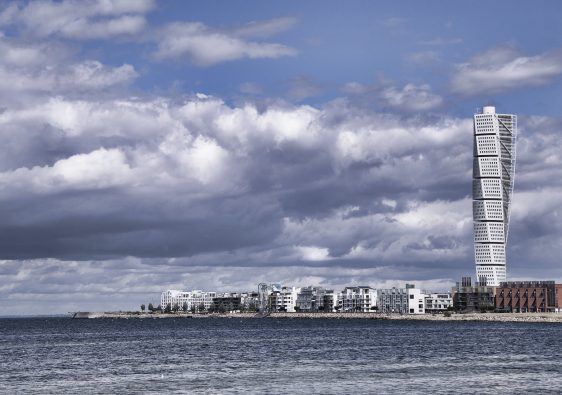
{"x":150,"y":307}
{"x":193,"y":309}
{"x":168,"y":308}
{"x":142,"y":307}
{"x":201,"y":307}
{"x":176,"y":307}
{"x":184,"y":307}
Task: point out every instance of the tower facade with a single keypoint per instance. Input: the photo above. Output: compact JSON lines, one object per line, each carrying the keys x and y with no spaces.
{"x":492,"y":191}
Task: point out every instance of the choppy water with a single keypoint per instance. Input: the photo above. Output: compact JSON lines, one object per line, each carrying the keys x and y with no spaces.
{"x":277,"y":356}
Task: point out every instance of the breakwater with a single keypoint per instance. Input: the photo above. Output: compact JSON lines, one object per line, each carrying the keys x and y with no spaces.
{"x":497,"y":317}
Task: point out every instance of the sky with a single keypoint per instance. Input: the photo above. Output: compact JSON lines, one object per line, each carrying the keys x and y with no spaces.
{"x":215,"y":145}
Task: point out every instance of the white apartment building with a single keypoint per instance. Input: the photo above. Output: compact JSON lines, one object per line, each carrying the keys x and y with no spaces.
{"x":194,"y":299}
{"x":416,"y":301}
{"x":492,"y":190}
{"x":438,"y":302}
{"x":362,"y":299}
{"x":409,"y":300}
{"x":283,"y":299}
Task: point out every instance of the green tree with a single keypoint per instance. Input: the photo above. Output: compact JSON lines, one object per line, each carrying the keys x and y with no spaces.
{"x":168,"y":308}
{"x":176,"y":307}
{"x":150,"y":307}
{"x":184,"y":307}
{"x":142,"y":307}
{"x":201,"y":307}
{"x":193,"y":309}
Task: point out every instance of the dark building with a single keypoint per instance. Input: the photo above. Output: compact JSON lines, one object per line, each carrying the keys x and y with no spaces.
{"x":226,"y":304}
{"x":529,"y":297}
{"x":468,"y":298}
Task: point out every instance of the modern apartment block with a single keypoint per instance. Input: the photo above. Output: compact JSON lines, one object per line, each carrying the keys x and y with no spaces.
{"x":409,"y":300}
{"x":473,"y":298}
{"x":529,"y":297}
{"x":357,"y":299}
{"x":492,"y":190}
{"x":438,"y":302}
{"x":193,"y":299}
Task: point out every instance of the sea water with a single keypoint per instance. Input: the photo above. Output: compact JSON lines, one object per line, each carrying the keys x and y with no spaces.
{"x":328,"y":356}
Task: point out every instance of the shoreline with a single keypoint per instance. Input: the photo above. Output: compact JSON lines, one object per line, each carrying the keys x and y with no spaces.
{"x":489,"y":317}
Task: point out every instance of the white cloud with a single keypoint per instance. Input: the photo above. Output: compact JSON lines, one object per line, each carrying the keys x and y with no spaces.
{"x":98,"y":169}
{"x":205,"y":46}
{"x":354,"y":88}
{"x":502,"y":69}
{"x":266,"y":28}
{"x":89,"y":19}
{"x":411,"y":97}
{"x":46,"y":68}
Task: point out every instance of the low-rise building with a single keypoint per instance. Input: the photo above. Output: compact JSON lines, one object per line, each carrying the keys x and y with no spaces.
{"x":471,"y":298}
{"x":529,"y":297}
{"x":226,"y":303}
{"x":409,"y":300}
{"x":416,"y":300}
{"x":438,"y":302}
{"x":392,"y":300}
{"x":283,"y":299}
{"x":178,"y":300}
{"x":314,"y":299}
{"x":361,"y":299}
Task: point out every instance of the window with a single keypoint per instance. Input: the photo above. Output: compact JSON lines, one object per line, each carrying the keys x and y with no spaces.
{"x":411,"y":296}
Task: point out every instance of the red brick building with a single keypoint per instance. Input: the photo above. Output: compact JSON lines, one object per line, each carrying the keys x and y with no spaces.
{"x":529,"y":297}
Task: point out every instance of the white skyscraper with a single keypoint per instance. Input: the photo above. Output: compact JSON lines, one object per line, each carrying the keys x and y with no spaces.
{"x":492,"y":190}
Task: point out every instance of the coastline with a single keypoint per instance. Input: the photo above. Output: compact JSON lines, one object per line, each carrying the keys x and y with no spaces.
{"x":489,"y":317}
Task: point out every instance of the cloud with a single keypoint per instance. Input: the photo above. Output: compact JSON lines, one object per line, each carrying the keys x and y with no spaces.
{"x":265,"y":28}
{"x":302,"y":87}
{"x":424,"y":57}
{"x":29,"y":69}
{"x":121,"y":198}
{"x":411,"y":97}
{"x":354,"y":88}
{"x":205,"y":46}
{"x":251,"y":88}
{"x":503,"y":69}
{"x":90,"y":19}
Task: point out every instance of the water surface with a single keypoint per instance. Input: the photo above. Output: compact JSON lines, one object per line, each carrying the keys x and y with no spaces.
{"x":52,"y":355}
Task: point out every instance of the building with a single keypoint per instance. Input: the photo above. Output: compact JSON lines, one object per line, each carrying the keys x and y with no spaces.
{"x":177,"y":300}
{"x":416,"y":300}
{"x":314,"y":299}
{"x":409,"y":300}
{"x":392,"y":300}
{"x":468,"y":298}
{"x":283,"y":299}
{"x":529,"y":297}
{"x":438,"y":302}
{"x":360,"y":299}
{"x":492,"y":190}
{"x":226,"y":303}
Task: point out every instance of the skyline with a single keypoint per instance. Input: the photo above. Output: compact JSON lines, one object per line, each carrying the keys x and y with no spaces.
{"x":151,"y":145}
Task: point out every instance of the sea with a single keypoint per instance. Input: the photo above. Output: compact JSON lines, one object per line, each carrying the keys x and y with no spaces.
{"x":277,"y":356}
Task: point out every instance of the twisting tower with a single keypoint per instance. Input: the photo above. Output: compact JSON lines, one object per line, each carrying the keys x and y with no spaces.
{"x":492,"y":190}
